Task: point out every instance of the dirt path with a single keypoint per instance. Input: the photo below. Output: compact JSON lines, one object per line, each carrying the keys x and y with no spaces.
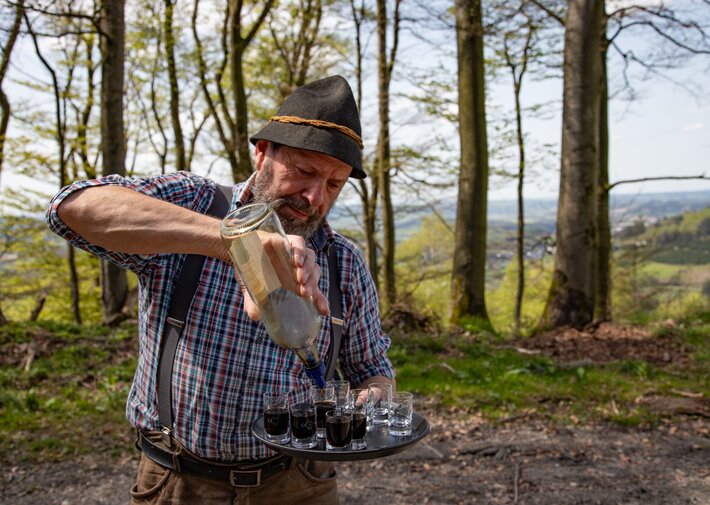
{"x":520,"y":462}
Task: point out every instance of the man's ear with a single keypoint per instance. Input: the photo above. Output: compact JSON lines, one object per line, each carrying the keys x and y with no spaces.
{"x":260,"y":149}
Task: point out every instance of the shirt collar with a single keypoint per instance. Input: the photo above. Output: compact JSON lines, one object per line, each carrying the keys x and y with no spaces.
{"x":322,"y":237}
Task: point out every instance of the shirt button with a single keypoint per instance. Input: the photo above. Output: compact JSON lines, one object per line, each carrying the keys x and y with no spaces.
{"x":244,"y":427}
{"x":251,"y":383}
{"x":259,"y":340}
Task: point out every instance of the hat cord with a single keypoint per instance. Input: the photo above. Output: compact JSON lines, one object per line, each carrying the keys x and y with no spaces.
{"x":320,"y":124}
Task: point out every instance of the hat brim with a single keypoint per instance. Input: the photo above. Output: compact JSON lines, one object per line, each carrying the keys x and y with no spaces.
{"x":311,"y":138}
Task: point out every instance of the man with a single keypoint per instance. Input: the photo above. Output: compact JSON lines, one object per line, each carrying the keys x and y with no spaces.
{"x":225,"y":359}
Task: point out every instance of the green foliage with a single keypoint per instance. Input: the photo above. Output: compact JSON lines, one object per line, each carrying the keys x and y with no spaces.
{"x":644,"y":291}
{"x":473,"y":324}
{"x":690,"y":222}
{"x":694,"y":252}
{"x":681,"y":240}
{"x":424,"y":267}
{"x":34,"y":263}
{"x":501,"y":301}
{"x":72,"y":397}
{"x":485,"y":375}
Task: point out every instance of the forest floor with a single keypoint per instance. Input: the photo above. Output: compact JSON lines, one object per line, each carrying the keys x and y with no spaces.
{"x":522,"y":459}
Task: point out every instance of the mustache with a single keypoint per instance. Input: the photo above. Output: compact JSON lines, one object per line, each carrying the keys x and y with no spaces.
{"x":300,"y":204}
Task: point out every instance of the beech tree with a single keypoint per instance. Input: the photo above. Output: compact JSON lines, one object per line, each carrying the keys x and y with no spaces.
{"x":7,"y":48}
{"x":572,"y":293}
{"x":232,"y":128}
{"x":468,"y":276}
{"x":114,"y":282}
{"x":385,"y":66}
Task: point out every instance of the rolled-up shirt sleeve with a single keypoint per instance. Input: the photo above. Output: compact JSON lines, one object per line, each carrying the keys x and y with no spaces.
{"x":181,"y":188}
{"x":365,"y":345}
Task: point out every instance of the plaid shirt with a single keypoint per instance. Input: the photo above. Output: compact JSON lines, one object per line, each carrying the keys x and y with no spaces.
{"x":225,"y":361}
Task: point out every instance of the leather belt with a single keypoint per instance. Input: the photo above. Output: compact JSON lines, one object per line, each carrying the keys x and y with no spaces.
{"x":241,"y":475}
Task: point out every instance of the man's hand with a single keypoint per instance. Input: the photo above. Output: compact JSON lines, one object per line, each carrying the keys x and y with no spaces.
{"x":306,"y":276}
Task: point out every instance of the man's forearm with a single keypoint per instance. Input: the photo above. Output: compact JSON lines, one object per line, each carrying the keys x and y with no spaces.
{"x":123,"y":220}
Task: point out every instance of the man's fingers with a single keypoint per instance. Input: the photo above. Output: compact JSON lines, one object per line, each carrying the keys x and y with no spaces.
{"x":321,"y":303}
{"x":309,"y":271}
{"x":251,"y":308}
{"x":298,"y":250}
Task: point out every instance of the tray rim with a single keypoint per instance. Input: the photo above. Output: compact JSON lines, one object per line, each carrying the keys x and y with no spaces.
{"x":420,"y":429}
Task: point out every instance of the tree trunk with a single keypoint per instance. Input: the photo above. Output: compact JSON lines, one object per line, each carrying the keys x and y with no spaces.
{"x":368,"y":199}
{"x":113,"y":279}
{"x":3,"y":320}
{"x":180,"y":163}
{"x":74,"y":284}
{"x":369,"y":217}
{"x":468,"y":275}
{"x":39,"y":305}
{"x":602,"y":310}
{"x":4,"y":64}
{"x":572,"y":293}
{"x":383,"y":160}
{"x":237,"y":47}
{"x":520,"y":239}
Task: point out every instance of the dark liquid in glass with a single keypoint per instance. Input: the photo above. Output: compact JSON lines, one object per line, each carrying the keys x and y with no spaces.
{"x":276,"y":420}
{"x":321,"y":409}
{"x":303,"y":423}
{"x":359,"y":426}
{"x":338,"y":431}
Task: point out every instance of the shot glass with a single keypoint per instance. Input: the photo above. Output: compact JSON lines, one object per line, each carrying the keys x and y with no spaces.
{"x":401,"y":414}
{"x":359,"y":406}
{"x":342,"y":391}
{"x":338,"y":429}
{"x":303,"y":425}
{"x":276,"y":423}
{"x":381,"y":401}
{"x":324,"y":400}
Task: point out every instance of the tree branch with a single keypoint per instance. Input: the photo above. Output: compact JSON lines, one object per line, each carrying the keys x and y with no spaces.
{"x":548,"y":11}
{"x":663,"y":178}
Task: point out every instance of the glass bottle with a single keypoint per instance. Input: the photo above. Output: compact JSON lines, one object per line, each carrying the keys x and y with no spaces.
{"x":261,"y":253}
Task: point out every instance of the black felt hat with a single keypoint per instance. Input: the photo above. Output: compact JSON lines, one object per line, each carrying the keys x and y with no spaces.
{"x":321,"y":116}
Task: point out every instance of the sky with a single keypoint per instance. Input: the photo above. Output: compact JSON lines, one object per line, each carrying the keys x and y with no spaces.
{"x":665,"y":131}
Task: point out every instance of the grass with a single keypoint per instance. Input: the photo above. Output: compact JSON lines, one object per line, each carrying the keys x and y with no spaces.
{"x":72,"y":399}
{"x":484,"y":375}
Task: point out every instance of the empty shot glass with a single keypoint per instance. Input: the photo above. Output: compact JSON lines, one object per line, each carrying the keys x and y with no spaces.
{"x":276,"y":424}
{"x":303,"y":425}
{"x":338,"y":429}
{"x":381,"y":400}
{"x":324,"y":400}
{"x":342,"y":392}
{"x":360,"y":404}
{"x":401,"y":414}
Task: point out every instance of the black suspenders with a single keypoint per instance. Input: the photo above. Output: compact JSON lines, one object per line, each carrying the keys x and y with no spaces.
{"x":336,"y":314}
{"x":180,"y":302}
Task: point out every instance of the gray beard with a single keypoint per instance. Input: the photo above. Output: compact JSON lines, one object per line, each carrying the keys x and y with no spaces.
{"x":263,"y":191}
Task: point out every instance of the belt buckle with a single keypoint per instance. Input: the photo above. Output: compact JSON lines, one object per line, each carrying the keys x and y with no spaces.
{"x":234,"y":475}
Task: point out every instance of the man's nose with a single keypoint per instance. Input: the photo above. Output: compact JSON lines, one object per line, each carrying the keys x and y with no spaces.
{"x":314,"y":194}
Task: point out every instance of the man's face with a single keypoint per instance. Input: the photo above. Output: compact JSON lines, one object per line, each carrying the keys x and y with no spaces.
{"x":300,"y":185}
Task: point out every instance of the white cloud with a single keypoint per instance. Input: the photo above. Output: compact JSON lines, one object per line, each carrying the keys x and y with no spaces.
{"x":693,"y":126}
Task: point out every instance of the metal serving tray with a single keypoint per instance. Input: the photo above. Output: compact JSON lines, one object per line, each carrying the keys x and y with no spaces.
{"x":379,"y":443}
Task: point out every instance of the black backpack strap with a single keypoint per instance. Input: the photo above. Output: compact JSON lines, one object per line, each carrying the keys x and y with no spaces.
{"x":180,"y":302}
{"x":336,"y":313}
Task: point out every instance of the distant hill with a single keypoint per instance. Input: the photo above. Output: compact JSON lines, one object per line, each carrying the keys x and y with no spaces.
{"x":541,"y":214}
{"x":679,"y":239}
